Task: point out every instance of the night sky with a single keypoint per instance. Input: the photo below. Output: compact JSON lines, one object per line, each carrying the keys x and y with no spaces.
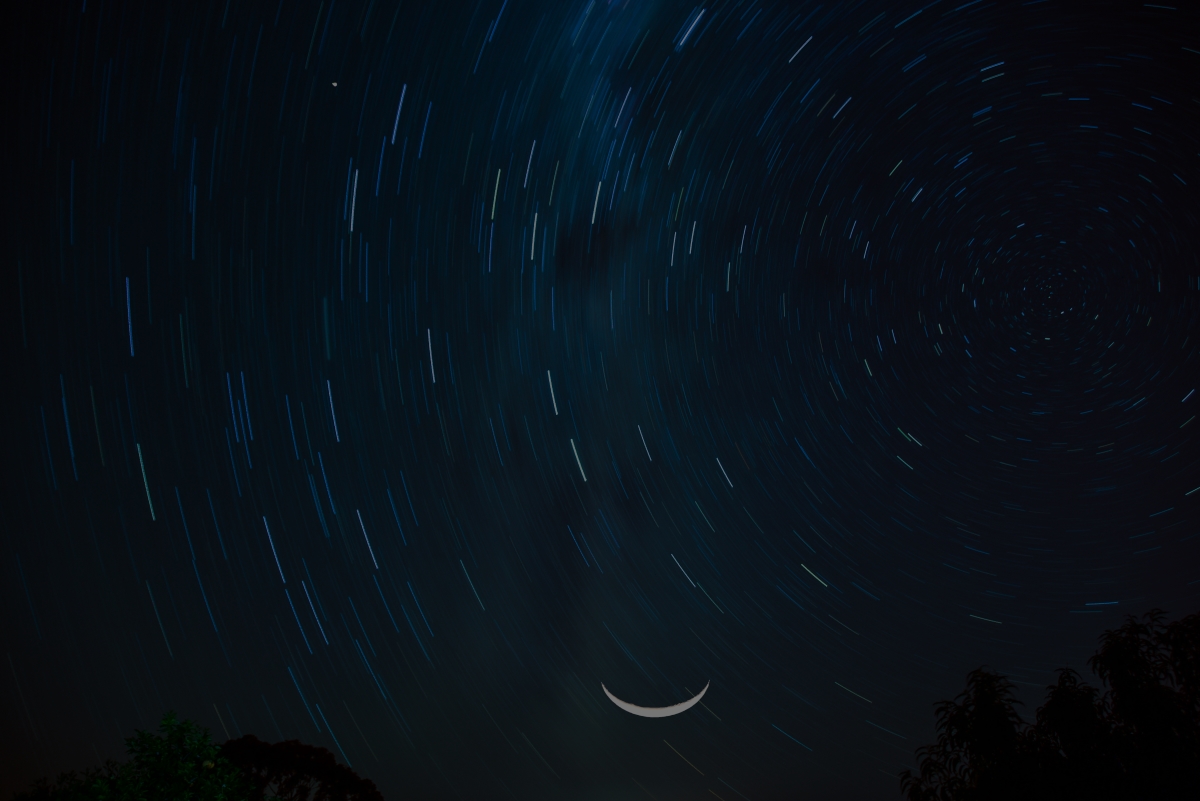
{"x":388,"y":375}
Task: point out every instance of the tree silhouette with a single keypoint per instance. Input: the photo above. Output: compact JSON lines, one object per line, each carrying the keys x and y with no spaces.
{"x":979,"y":747}
{"x":181,"y":763}
{"x":1140,"y":739}
{"x":296,"y":772}
{"x":1069,"y":747}
{"x":1151,"y":704}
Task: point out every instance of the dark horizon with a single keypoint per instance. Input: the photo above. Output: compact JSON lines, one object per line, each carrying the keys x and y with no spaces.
{"x":388,"y":376}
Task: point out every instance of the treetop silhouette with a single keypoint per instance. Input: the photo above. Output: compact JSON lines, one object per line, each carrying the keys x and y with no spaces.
{"x":181,"y":763}
{"x":296,"y":772}
{"x":1139,"y":739}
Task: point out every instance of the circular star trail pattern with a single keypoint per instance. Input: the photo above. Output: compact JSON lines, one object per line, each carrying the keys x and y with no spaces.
{"x":388,"y":376}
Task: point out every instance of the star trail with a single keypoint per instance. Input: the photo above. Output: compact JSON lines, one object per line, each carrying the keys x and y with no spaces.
{"x":389,"y":375}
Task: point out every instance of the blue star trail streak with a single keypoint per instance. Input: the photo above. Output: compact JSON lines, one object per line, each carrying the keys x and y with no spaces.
{"x":823,"y":352}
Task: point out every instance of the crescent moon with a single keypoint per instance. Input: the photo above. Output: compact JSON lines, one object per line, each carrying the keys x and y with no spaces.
{"x":655,"y":711}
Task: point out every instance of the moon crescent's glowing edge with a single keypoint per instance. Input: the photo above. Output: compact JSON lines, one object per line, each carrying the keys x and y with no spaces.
{"x":655,"y":711}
